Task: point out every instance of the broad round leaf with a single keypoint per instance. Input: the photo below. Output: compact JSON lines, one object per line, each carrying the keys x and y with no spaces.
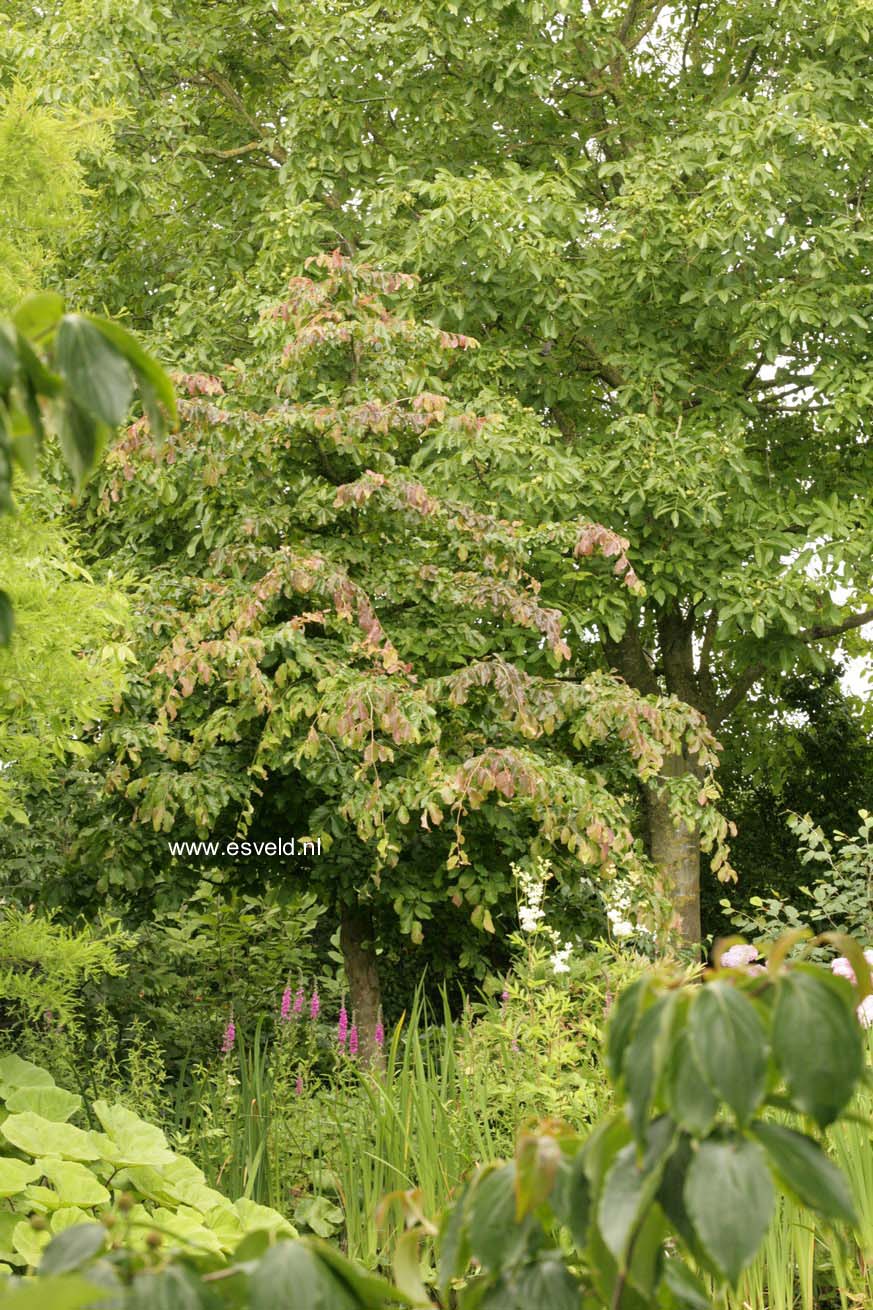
{"x":15,"y":1175}
{"x":729,"y":1196}
{"x":38,"y":1136}
{"x":496,"y":1238}
{"x":692,"y":1102}
{"x":50,"y":1102}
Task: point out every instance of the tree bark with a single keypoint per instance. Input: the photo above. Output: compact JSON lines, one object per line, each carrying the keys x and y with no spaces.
{"x":675,"y":849}
{"x":362,"y":973}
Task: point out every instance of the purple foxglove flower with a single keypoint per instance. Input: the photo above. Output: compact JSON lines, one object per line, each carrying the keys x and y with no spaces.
{"x":285,"y":1007}
{"x":379,"y":1034}
{"x":314,"y":1005}
{"x":298,"y":1001}
{"x":229,"y":1037}
{"x":342,"y":1028}
{"x":298,"y":1086}
{"x":353,"y":1040}
{"x":504,"y":996}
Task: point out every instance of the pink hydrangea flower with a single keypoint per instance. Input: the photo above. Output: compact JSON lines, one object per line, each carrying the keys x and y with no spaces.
{"x":865,"y":1012}
{"x":739,"y":956}
{"x":843,"y":969}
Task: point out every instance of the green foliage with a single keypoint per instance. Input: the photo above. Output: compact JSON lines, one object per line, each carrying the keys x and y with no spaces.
{"x":365,"y":658}
{"x":72,"y":376}
{"x":44,"y":966}
{"x":839,"y":900}
{"x":641,"y":1213}
{"x":121,"y":1173}
{"x":43,"y":187}
{"x":66,"y":665}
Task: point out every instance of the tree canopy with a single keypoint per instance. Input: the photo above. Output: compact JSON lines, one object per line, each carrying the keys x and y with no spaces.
{"x":654,"y":219}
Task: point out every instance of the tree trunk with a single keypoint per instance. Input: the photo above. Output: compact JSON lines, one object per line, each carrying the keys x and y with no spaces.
{"x":365,"y":994}
{"x":675,"y":849}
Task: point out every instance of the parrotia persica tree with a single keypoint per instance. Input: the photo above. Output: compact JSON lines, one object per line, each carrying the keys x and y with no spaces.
{"x":654,"y":218}
{"x":342,"y":646}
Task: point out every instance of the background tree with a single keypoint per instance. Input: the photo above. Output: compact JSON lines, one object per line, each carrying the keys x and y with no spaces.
{"x":655,"y":219}
{"x":340,"y":651}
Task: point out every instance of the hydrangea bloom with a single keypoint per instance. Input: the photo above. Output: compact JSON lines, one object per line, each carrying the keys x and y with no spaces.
{"x":740,"y":956}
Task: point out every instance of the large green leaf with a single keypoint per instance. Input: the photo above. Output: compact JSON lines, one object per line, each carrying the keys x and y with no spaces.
{"x":730,"y":1045}
{"x":73,"y":1248}
{"x":15,"y":1175}
{"x":817,"y":1041}
{"x":370,"y":1290}
{"x":147,"y":369}
{"x":131,"y":1140}
{"x":806,"y":1171}
{"x":174,"y":1288}
{"x":73,"y":1182}
{"x":50,"y":1102}
{"x":39,"y":314}
{"x":38,"y":1136}
{"x":63,"y":1293}
{"x":729,"y":1196}
{"x":571,"y":1198}
{"x":8,"y":356}
{"x":97,"y":374}
{"x":692,"y":1102}
{"x":292,"y":1277}
{"x":15,"y":1072}
{"x":496,"y":1238}
{"x":644,"y":1061}
{"x":623,"y":1020}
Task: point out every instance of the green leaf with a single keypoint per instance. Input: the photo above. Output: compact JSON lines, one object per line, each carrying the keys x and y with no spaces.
{"x":729,"y":1042}
{"x":817,"y":1041}
{"x":292,"y":1277}
{"x":371,"y":1290}
{"x":8,"y":356}
{"x":692,"y":1103}
{"x":81,"y":440}
{"x":454,"y":1241}
{"x":7,"y":619}
{"x":644,"y":1061}
{"x":37,"y":1136}
{"x":536,"y":1165}
{"x":630,"y":1189}
{"x":22,"y":1073}
{"x":97,"y":374}
{"x":15,"y":1175}
{"x":806,"y":1171}
{"x":132,"y":1140}
{"x":729,"y":1196}
{"x":547,"y":1283}
{"x":173,"y":1288}
{"x":50,"y":1102}
{"x":622,"y":1023}
{"x":72,"y":1248}
{"x":496,"y":1238}
{"x":39,"y":314}
{"x":65,"y":1293}
{"x":684,"y":1290}
{"x":149,"y":373}
{"x":74,"y":1183}
{"x":571,"y":1198}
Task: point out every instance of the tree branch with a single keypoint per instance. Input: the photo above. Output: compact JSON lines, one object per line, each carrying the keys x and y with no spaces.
{"x":737,"y":694}
{"x":823,"y":631}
